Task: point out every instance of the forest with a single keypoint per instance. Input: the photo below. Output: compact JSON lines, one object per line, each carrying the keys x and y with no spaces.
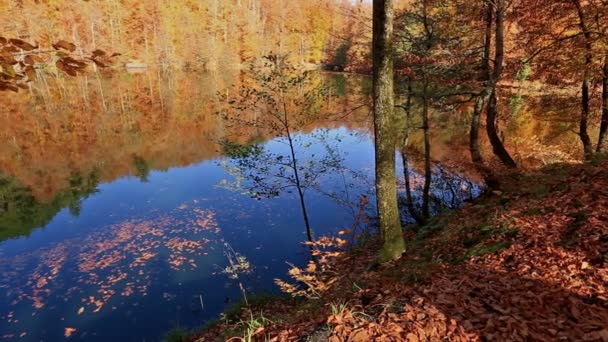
{"x":479,"y":215}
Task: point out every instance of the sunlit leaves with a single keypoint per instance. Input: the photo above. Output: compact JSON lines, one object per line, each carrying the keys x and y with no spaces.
{"x":20,"y":44}
{"x":319,"y":275}
{"x":64,"y":45}
{"x":20,"y":60}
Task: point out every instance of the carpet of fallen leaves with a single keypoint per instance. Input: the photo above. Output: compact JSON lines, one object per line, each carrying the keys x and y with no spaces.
{"x":527,"y":263}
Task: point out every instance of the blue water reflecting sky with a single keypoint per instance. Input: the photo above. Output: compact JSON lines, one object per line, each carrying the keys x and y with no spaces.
{"x":140,"y":255}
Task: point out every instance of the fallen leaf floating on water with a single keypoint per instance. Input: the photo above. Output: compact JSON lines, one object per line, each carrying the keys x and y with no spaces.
{"x":69,"y":331}
{"x":111,"y":261}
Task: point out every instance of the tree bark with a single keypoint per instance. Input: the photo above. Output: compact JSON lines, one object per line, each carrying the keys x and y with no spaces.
{"x":491,"y":118}
{"x":385,"y":132}
{"x":602,"y":144}
{"x":585,"y":107}
{"x":491,"y":122}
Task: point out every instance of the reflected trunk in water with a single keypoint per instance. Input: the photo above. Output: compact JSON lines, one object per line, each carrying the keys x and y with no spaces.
{"x":404,"y":158}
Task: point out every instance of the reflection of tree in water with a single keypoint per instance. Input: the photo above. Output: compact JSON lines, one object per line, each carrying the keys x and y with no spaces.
{"x":142,"y":168}
{"x":263,"y":171}
{"x":21,"y":212}
{"x":450,"y":190}
{"x":283,"y":100}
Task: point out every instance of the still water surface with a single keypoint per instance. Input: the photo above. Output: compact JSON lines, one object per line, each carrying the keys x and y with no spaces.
{"x":118,"y":210}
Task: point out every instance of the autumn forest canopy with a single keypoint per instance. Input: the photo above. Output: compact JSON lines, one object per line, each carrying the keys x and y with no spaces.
{"x":466,"y":52}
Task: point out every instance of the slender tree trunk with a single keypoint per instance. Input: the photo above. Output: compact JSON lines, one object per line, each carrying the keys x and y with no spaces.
{"x":491,"y":122}
{"x":602,"y":144}
{"x":385,"y":132}
{"x":585,"y":107}
{"x":296,"y":174}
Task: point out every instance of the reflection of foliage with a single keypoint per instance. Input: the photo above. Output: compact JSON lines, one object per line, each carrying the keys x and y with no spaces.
{"x":21,"y":212}
{"x":289,"y":99}
{"x":238,"y":264}
{"x":339,"y":85}
{"x":265,"y":172}
{"x":282,"y":101}
{"x":235,"y":150}
{"x":450,"y":190}
{"x":546,"y":154}
{"x":341,"y":57}
{"x":142,"y":167}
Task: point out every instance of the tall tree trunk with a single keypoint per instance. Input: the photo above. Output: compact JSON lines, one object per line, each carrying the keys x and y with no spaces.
{"x":602,"y":144}
{"x":491,"y":119}
{"x":385,"y":132}
{"x":585,"y":107}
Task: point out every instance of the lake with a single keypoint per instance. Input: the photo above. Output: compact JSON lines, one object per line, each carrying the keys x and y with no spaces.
{"x":120,"y":213}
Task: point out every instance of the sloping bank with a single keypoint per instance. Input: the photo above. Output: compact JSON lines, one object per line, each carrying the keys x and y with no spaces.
{"x":530,"y":263}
